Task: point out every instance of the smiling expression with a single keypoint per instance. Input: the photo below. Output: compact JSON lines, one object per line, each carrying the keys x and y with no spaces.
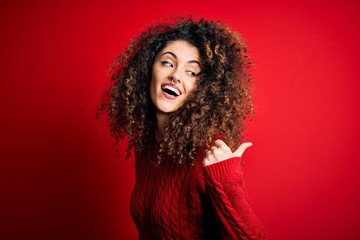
{"x":174,"y":74}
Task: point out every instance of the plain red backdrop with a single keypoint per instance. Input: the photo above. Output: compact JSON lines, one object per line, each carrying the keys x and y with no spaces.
{"x":60,"y":178}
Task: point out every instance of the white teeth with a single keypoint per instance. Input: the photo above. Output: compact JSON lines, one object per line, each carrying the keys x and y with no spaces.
{"x":171,"y":89}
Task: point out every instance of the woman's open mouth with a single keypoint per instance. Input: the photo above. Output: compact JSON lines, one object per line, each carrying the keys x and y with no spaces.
{"x":170,"y":91}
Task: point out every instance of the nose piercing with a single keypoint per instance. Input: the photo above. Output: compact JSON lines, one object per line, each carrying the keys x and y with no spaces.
{"x":172,"y":79}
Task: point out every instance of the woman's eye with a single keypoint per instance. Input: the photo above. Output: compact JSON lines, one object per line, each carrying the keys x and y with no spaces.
{"x":191,"y":74}
{"x":166,"y":63}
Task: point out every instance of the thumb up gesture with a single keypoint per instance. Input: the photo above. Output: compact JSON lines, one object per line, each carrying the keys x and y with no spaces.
{"x":221,"y":152}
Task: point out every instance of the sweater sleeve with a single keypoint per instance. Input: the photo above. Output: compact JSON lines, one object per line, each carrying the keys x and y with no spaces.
{"x":225,"y":184}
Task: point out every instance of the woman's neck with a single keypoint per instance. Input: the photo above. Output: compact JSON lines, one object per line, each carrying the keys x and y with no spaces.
{"x":162,"y":120}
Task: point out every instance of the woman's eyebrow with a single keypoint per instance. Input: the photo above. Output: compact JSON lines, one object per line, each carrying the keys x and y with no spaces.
{"x":194,"y":61}
{"x":171,"y":53}
{"x":174,"y":55}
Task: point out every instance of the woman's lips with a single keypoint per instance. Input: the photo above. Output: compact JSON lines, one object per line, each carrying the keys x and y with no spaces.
{"x":168,"y":96}
{"x":170,"y":91}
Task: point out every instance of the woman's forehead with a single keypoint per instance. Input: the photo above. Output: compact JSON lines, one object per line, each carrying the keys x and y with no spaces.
{"x":180,"y":49}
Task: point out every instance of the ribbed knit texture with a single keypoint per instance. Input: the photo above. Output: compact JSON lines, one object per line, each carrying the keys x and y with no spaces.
{"x":172,"y":201}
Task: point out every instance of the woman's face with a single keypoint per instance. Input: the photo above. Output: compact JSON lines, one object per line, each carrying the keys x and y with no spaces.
{"x":174,"y":74}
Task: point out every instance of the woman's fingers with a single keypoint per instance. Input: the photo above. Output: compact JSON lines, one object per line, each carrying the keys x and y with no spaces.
{"x":221,"y":144}
{"x":209,"y":158}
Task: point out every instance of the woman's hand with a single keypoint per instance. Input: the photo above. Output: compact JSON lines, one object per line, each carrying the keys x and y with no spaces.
{"x":221,"y":152}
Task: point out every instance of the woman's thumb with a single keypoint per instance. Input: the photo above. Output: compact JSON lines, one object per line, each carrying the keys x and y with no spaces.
{"x":241,"y":149}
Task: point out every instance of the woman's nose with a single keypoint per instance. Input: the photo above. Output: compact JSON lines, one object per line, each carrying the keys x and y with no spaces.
{"x":172,"y":79}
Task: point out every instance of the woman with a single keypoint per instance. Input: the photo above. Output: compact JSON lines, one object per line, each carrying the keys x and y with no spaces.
{"x":180,"y":95}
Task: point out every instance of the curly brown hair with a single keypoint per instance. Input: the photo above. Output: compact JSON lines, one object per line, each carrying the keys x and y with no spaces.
{"x":219,"y":105}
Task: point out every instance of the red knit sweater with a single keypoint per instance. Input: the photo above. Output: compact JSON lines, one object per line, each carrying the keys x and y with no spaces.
{"x":172,"y":201}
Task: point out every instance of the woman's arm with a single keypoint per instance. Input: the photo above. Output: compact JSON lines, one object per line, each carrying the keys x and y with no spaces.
{"x":224,"y":179}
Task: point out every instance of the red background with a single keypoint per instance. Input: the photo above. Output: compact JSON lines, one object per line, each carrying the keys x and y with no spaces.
{"x":60,"y":178}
